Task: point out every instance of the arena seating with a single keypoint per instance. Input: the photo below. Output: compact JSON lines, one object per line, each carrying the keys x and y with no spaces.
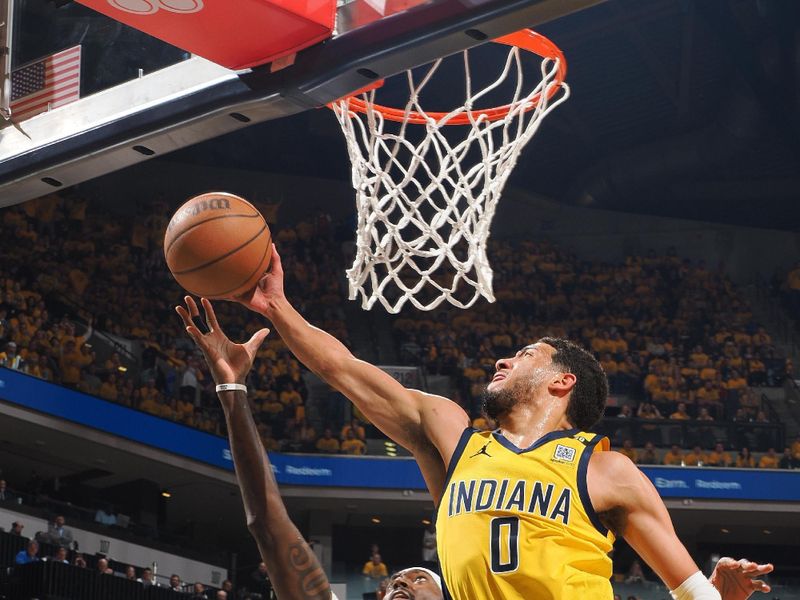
{"x":667,"y":330}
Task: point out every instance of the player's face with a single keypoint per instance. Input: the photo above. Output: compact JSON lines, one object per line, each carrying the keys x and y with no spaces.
{"x":524,"y":367}
{"x":413,"y":584}
{"x":517,"y":379}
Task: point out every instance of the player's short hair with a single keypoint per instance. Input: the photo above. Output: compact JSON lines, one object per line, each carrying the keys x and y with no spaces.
{"x":587,"y":400}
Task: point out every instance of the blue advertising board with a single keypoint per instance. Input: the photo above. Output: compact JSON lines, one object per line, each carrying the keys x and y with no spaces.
{"x":725,"y":484}
{"x":347,"y":471}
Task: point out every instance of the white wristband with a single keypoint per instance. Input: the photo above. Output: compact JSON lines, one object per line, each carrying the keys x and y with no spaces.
{"x":696,"y":587}
{"x":230,"y":387}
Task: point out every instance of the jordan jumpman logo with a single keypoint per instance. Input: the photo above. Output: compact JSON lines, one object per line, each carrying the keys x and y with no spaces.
{"x":483,"y":450}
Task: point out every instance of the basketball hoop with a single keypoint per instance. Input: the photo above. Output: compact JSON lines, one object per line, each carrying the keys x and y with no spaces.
{"x":425,"y":202}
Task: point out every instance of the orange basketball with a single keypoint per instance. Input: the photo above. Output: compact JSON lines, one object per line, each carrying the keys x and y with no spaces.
{"x":217,"y":245}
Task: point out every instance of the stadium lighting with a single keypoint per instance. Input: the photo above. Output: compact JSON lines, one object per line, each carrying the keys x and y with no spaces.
{"x":166,"y":494}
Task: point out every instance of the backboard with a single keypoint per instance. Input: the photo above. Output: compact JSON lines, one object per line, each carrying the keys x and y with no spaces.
{"x":140,"y":97}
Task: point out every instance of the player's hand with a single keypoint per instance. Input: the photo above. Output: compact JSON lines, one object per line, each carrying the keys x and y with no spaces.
{"x":268,"y":289}
{"x":228,"y":362}
{"x":736,"y":579}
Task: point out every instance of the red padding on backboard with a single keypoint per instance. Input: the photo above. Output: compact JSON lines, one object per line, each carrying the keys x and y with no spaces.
{"x":236,"y":34}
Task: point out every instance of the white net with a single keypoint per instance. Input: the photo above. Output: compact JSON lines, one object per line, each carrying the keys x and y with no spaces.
{"x":426,"y":198}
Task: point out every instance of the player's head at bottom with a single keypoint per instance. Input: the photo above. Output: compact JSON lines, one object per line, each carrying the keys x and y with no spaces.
{"x":414,"y":583}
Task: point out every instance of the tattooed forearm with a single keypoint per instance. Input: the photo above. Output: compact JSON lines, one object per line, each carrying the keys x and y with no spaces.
{"x":311,"y":580}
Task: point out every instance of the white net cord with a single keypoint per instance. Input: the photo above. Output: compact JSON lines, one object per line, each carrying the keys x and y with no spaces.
{"x":425,"y":201}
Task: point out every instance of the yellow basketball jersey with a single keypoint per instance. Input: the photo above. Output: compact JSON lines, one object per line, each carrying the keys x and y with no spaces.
{"x":518,"y":524}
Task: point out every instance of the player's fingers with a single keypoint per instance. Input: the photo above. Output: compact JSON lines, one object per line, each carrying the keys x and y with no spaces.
{"x":728,"y":562}
{"x":254,"y":343}
{"x":753,"y":568}
{"x":184,"y":315}
{"x":746,"y":566}
{"x":760,"y":586}
{"x":756,"y":570}
{"x":192,"y":306}
{"x":277,"y":266}
{"x":195,"y":334}
{"x":211,"y":317}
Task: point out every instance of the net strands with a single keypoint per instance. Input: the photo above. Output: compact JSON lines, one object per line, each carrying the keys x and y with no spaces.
{"x":425,"y":200}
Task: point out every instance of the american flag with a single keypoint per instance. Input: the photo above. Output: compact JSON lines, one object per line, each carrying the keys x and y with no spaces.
{"x":49,"y":82}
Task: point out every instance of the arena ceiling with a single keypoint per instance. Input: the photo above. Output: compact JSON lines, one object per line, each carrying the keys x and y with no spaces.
{"x":680,"y":108}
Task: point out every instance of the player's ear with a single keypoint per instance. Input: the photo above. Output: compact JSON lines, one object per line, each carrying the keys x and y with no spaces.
{"x":562,"y":384}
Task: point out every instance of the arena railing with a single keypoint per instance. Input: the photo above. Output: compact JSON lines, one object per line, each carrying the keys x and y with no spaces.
{"x":74,"y":309}
{"x":45,"y":507}
{"x":51,"y":579}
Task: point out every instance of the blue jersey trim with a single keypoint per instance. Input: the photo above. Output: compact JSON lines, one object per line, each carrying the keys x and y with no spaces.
{"x":462,"y":443}
{"x":445,"y":592}
{"x":547,"y":437}
{"x":583,"y":490}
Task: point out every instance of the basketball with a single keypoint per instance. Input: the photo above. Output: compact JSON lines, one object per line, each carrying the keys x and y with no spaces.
{"x":217,"y":245}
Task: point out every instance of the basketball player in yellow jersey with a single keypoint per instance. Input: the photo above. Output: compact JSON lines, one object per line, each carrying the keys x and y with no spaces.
{"x":538,"y":522}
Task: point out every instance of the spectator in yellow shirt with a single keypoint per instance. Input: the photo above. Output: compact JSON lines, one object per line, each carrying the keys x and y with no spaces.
{"x":745,"y":460}
{"x":708,"y":394}
{"x":736,"y":381}
{"x":704,"y":415}
{"x":185,"y":410}
{"x":356,"y":427}
{"x":374,"y":568}
{"x":271,"y":405}
{"x":601,"y":344}
{"x":327,"y":443}
{"x":648,"y":456}
{"x":718,"y":457}
{"x":353,"y":445}
{"x":148,"y":405}
{"x":756,"y":370}
{"x":290,"y":397}
{"x":769,"y":460}
{"x":761,"y":338}
{"x":708,"y":372}
{"x":617,"y":344}
{"x":149,"y":391}
{"x":681,"y":413}
{"x":108,"y":389}
{"x":698,"y":358}
{"x":695,"y":458}
{"x":674,"y":456}
{"x":72,"y":362}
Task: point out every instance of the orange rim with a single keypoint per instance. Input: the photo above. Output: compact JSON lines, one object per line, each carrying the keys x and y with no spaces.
{"x":525,"y":39}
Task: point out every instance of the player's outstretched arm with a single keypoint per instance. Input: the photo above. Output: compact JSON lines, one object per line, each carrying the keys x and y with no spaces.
{"x":630,"y":506}
{"x":428,"y":425}
{"x":293,"y":567}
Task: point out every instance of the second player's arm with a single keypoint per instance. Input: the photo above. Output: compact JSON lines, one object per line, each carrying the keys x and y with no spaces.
{"x":292,"y":566}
